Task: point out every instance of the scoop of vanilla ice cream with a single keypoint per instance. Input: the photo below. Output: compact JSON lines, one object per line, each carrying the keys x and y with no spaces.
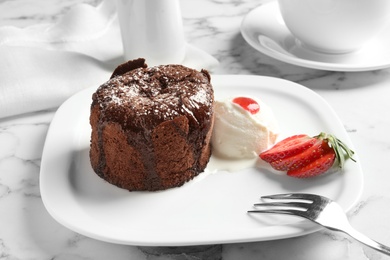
{"x":239,"y":134}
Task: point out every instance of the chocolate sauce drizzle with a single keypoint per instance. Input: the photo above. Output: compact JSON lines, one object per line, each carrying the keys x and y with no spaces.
{"x":140,"y":98}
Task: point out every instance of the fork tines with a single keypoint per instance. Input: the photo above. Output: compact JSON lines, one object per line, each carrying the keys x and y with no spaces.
{"x":301,"y":196}
{"x":292,"y":204}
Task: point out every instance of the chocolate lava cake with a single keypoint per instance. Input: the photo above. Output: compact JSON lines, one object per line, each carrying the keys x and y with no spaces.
{"x":151,"y":126}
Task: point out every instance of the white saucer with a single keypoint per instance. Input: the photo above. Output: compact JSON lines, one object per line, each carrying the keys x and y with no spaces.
{"x":264,"y":29}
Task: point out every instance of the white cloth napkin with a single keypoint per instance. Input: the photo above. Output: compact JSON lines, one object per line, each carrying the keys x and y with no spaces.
{"x":43,"y":65}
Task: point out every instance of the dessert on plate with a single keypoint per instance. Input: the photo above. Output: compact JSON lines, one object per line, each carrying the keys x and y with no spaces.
{"x":303,"y":156}
{"x":151,"y":126}
{"x":244,"y":127}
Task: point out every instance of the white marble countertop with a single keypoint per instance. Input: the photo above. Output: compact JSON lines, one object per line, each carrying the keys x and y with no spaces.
{"x":361,"y":99}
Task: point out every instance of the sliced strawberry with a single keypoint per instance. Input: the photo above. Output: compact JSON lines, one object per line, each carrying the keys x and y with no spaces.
{"x":315,"y":168}
{"x":294,"y":139}
{"x":288,"y":147}
{"x":314,"y":152}
{"x":248,"y":104}
{"x":303,"y":156}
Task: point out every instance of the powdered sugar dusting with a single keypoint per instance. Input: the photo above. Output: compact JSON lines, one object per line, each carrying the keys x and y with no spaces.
{"x":156,"y":94}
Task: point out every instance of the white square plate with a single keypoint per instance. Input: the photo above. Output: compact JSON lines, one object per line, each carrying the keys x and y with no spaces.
{"x":208,"y":210}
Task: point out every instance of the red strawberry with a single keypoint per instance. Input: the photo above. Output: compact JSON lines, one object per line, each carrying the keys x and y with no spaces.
{"x":319,"y":148}
{"x":314,"y":168}
{"x":248,"y":104}
{"x":288,"y":147}
{"x":303,"y":156}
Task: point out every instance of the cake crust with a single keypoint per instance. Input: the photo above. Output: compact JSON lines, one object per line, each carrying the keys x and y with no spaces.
{"x":151,"y":126}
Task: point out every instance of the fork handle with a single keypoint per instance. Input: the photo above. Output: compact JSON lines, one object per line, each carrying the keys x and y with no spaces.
{"x":366,"y":240}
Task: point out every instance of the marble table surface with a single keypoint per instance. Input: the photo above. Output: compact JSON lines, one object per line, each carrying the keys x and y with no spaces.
{"x":361,"y":99}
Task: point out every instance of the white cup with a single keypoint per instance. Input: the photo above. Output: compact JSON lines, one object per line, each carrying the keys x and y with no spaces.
{"x":335,"y":26}
{"x":152,"y":29}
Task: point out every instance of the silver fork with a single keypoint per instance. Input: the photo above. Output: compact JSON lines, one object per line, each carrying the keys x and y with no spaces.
{"x":318,"y":209}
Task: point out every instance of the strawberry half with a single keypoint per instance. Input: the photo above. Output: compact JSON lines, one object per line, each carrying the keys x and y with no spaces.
{"x":316,"y":167}
{"x":303,"y":156}
{"x":318,"y":149}
{"x":288,"y":147}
